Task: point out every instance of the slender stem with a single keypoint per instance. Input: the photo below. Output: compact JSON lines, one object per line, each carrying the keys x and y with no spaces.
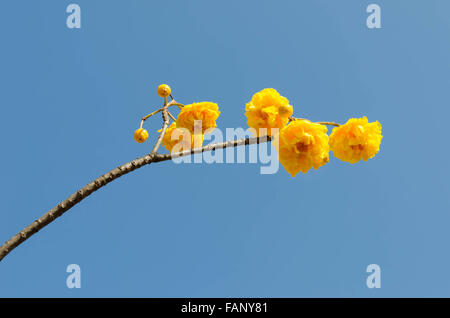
{"x":171,"y":116}
{"x":166,"y":120}
{"x":151,"y":114}
{"x":180,"y":106}
{"x":330,"y":123}
{"x":103,"y":180}
{"x":171,"y":103}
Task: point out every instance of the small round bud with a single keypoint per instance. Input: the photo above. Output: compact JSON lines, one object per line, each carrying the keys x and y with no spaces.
{"x":285,"y":111}
{"x":140,"y":135}
{"x":163,"y":90}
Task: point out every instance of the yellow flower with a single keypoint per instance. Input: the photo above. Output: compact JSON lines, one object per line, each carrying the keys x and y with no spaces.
{"x":302,"y":145}
{"x":206,"y":112}
{"x":140,"y":135}
{"x":182,"y":137}
{"x":355,"y":140}
{"x":268,"y":109}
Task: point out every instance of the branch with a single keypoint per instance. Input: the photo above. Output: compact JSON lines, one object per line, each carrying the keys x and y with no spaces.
{"x":163,"y":130}
{"x":103,"y":180}
{"x":328,"y":123}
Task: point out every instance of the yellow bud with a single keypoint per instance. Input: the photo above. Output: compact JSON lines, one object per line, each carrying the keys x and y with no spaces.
{"x":140,"y":135}
{"x":163,"y":90}
{"x":285,"y":110}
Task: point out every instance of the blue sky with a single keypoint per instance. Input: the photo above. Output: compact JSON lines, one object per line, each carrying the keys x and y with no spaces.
{"x":71,"y":99}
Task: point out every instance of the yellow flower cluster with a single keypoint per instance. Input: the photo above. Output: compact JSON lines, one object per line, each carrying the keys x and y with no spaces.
{"x":303,"y":145}
{"x":182,"y":136}
{"x":188,"y":130}
{"x":357,"y":139}
{"x":184,"y":131}
{"x":268,"y":109}
{"x":206,"y":112}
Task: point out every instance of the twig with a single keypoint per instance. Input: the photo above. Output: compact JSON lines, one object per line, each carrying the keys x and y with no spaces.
{"x":163,"y":130}
{"x":329,"y":123}
{"x":171,"y":116}
{"x":103,"y":180}
{"x":151,"y":114}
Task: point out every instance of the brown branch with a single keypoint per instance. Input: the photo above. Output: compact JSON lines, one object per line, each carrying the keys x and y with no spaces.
{"x":163,"y":130}
{"x":103,"y":180}
{"x":151,"y":114}
{"x":171,"y":116}
{"x":328,"y":123}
